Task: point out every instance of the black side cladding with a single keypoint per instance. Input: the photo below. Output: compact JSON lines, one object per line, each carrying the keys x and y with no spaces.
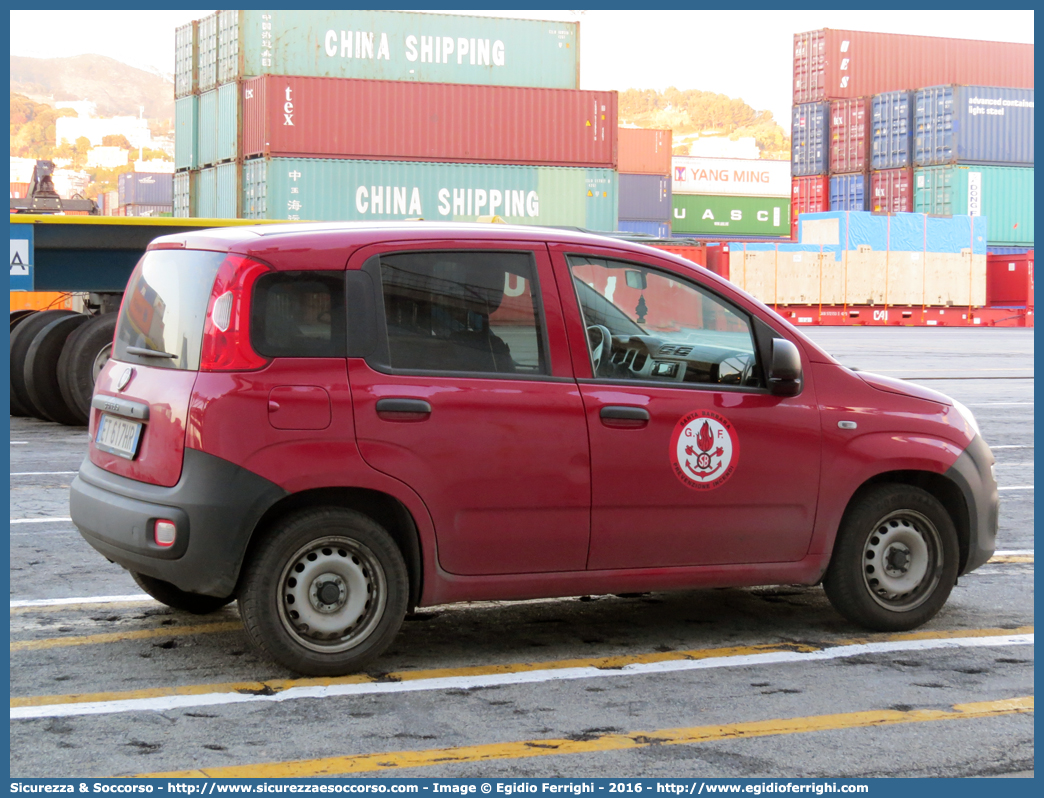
{"x":973,"y":475}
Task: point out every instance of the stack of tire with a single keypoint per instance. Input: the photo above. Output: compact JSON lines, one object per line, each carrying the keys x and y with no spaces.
{"x":55,"y":357}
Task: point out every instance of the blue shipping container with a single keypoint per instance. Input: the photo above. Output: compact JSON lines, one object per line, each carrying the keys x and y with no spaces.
{"x":1008,"y":250}
{"x":645,"y":197}
{"x":892,"y":130}
{"x":973,"y":124}
{"x":145,"y":188}
{"x":810,"y":139}
{"x":658,"y":229}
{"x":186,"y":133}
{"x":848,"y":193}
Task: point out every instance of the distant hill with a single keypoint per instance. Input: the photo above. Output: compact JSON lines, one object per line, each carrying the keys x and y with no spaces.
{"x":116,"y":88}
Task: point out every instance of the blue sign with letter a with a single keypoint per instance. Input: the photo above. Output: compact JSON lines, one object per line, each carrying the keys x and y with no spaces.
{"x":21,"y":257}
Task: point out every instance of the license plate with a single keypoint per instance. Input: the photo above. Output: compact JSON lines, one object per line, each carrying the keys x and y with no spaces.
{"x":118,"y":436}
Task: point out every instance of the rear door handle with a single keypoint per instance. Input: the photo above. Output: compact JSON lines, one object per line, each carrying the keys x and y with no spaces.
{"x":403,"y":409}
{"x":624,"y":416}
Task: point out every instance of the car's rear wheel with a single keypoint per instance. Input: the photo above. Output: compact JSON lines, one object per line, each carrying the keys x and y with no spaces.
{"x":178,"y":599}
{"x":325,"y":593}
{"x":895,"y":559}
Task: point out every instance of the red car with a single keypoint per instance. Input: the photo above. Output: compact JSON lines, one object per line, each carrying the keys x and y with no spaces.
{"x":334,"y":424}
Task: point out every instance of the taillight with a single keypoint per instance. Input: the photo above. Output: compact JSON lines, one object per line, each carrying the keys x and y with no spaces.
{"x":226,"y":330}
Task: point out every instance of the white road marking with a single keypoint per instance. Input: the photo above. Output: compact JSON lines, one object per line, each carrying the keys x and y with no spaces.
{"x":999,"y":404}
{"x":40,"y":520}
{"x":1013,"y":553}
{"x":40,"y":473}
{"x":1018,"y":487}
{"x":165,"y":703}
{"x":1013,"y":446}
{"x":80,"y":600}
{"x":19,"y":443}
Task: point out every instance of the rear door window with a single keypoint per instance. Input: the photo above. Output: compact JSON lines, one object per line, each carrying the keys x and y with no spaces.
{"x":164,"y":308}
{"x":463,"y":312}
{"x":298,"y":314}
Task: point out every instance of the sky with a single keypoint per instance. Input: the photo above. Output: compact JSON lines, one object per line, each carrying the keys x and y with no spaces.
{"x":744,"y":54}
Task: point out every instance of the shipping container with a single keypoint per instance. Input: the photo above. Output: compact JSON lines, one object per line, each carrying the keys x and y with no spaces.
{"x":207,"y":128}
{"x":730,"y":177}
{"x":394,"y":120}
{"x":730,"y":216}
{"x":229,"y":126}
{"x":809,"y":194}
{"x":41,"y":300}
{"x":394,"y":45}
{"x":839,"y":64}
{"x":697,"y":253}
{"x":1003,"y":194}
{"x":891,"y":191}
{"x":973,"y":124}
{"x":186,"y":132}
{"x":186,"y":193}
{"x":1008,"y":250}
{"x":228,"y":182}
{"x":810,"y":139}
{"x":645,"y":197}
{"x":848,"y":192}
{"x":645,"y":151}
{"x":186,"y":60}
{"x":658,"y":229}
{"x":892,"y":136}
{"x":1009,"y":280}
{"x":206,"y":198}
{"x":850,"y":135}
{"x":145,"y":188}
{"x":20,"y":190}
{"x":147,"y":210}
{"x":207,"y":51}
{"x":324,"y":190}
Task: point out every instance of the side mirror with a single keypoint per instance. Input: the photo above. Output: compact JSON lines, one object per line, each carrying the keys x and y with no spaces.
{"x":785,"y":371}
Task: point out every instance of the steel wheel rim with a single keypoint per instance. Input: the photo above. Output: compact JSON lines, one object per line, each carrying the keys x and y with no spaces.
{"x":902,"y":560}
{"x":100,"y":360}
{"x":332,"y":594}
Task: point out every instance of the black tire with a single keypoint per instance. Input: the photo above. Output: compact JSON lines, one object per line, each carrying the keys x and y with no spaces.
{"x":895,"y":559}
{"x":21,"y":339}
{"x":178,"y":599}
{"x":41,"y":371}
{"x":17,"y":317}
{"x":340,"y":552}
{"x":83,"y":355}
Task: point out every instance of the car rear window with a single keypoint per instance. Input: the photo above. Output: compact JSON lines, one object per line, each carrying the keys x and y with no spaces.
{"x":164,"y":307}
{"x":299,"y":314}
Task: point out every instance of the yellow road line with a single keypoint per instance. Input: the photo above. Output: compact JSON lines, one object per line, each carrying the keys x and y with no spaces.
{"x":1011,"y":558}
{"x":119,"y":637}
{"x":278,"y":685}
{"x":397,"y":760}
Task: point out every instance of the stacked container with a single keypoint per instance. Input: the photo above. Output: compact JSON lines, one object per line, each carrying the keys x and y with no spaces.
{"x":882,"y":77}
{"x":645,"y":181}
{"x":730,"y":197}
{"x":145,"y":194}
{"x":331,"y":115}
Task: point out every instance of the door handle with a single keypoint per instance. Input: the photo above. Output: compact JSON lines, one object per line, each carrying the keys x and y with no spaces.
{"x":624,"y":416}
{"x":403,"y":409}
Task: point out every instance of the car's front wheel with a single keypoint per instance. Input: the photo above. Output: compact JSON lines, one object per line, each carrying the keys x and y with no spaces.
{"x":895,"y":559}
{"x":325,"y":593}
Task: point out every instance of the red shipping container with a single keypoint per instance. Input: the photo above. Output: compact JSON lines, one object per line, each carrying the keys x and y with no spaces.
{"x":850,"y":135}
{"x":645,"y":152}
{"x":21,"y":190}
{"x":301,"y":117}
{"x":840,"y":64}
{"x":810,"y":194}
{"x":891,"y":191}
{"x":1009,"y":280}
{"x":697,"y":254}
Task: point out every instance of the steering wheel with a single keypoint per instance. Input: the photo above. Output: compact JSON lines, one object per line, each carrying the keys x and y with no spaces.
{"x":604,"y":347}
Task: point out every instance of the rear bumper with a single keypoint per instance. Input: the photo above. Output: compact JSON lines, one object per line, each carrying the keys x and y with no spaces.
{"x":214,"y":506}
{"x":973,"y":473}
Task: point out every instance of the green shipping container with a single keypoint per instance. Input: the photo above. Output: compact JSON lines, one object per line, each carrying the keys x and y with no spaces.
{"x":207,"y":127}
{"x":186,"y":191}
{"x":342,"y":190}
{"x":186,"y":132}
{"x":206,"y":199}
{"x":1003,"y":194}
{"x":226,"y":179}
{"x":393,"y":45}
{"x":228,"y":122}
{"x":737,"y":216}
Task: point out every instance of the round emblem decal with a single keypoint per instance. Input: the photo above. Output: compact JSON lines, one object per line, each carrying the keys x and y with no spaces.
{"x":704,"y":450}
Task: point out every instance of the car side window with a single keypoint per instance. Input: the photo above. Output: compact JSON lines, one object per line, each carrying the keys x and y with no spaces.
{"x":463,"y":312}
{"x":299,"y":314}
{"x":647,"y":324}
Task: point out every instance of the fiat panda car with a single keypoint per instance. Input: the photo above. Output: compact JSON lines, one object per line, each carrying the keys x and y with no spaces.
{"x":333,"y":424}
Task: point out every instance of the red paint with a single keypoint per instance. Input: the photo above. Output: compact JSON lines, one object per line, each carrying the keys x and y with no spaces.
{"x":406,"y":121}
{"x":850,"y":135}
{"x":891,"y":191}
{"x":1009,"y":280}
{"x":697,"y":255}
{"x":809,"y":194}
{"x":838,"y":64}
{"x":516,"y":486}
{"x":645,"y":151}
